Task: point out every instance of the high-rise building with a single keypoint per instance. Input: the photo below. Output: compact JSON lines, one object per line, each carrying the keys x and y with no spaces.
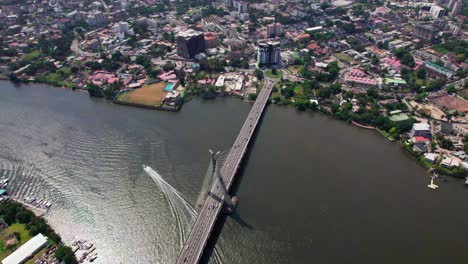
{"x":268,"y":53}
{"x":241,"y":6}
{"x":190,"y":43}
{"x":437,"y":11}
{"x":274,"y":30}
{"x":457,"y":8}
{"x":96,"y":18}
{"x":451,"y":4}
{"x":425,"y":31}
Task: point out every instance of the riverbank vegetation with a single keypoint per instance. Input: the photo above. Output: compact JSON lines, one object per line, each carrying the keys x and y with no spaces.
{"x":20,"y":225}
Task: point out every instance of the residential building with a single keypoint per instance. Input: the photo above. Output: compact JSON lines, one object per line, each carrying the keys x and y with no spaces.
{"x":424,"y":31}
{"x":274,"y":30}
{"x":421,"y":130}
{"x":241,"y":6}
{"x":451,"y":4}
{"x":190,"y":43}
{"x":211,"y":40}
{"x":96,"y":18}
{"x":437,"y":11}
{"x":438,"y":70}
{"x":268,"y":53}
{"x":431,"y":157}
{"x":457,"y":8}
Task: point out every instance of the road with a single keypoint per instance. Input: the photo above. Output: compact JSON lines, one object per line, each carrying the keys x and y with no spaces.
{"x":76,"y":48}
{"x":201,"y":230}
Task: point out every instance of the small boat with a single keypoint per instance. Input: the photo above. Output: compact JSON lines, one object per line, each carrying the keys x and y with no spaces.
{"x":432,"y":185}
{"x":3,"y":181}
{"x":466,"y":182}
{"x":87,"y":245}
{"x":92,"y":257}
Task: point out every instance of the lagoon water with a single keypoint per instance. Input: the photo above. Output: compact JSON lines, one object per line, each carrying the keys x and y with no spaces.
{"x":312,"y":189}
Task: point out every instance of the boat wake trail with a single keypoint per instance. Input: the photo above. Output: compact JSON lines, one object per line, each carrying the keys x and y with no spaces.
{"x":180,"y":208}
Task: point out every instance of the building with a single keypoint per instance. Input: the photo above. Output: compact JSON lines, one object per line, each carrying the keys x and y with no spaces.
{"x":359,"y":77}
{"x":437,"y":11}
{"x":438,"y":70}
{"x":424,"y":31}
{"x":190,"y":43}
{"x":431,"y":157}
{"x":121,"y":27}
{"x":27,"y":250}
{"x":211,"y":40}
{"x":451,"y":4}
{"x":268,"y":53}
{"x":421,"y":130}
{"x":274,"y":30}
{"x":457,"y":8}
{"x":241,"y":6}
{"x":96,"y":18}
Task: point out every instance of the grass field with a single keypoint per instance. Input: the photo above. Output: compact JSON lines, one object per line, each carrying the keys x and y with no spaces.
{"x":24,"y":237}
{"x":344,"y":57}
{"x":270,"y":74}
{"x":440,"y":48}
{"x":27,"y":58}
{"x":150,"y":95}
{"x":295,"y":68}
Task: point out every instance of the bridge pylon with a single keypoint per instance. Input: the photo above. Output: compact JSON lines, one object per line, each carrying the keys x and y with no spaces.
{"x":228,"y":201}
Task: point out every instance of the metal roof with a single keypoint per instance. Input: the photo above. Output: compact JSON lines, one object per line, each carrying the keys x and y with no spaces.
{"x":27,"y":250}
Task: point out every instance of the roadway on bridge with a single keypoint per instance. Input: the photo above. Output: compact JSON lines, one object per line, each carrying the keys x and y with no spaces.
{"x":201,"y":230}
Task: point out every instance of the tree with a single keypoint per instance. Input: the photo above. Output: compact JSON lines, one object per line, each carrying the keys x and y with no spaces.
{"x":277,"y":99}
{"x":94,"y":90}
{"x":301,"y":104}
{"x":169,"y":66}
{"x":451,"y":89}
{"x":144,"y":61}
{"x":65,"y":254}
{"x":23,"y":217}
{"x":421,"y":73}
{"x":252,"y":96}
{"x":259,"y":74}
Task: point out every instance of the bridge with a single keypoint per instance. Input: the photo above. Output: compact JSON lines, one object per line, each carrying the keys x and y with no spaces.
{"x":201,"y":230}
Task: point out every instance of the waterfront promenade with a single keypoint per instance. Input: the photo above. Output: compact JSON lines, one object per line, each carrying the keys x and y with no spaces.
{"x":201,"y":230}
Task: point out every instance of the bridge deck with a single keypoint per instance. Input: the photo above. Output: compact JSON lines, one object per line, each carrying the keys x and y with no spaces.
{"x":201,"y":230}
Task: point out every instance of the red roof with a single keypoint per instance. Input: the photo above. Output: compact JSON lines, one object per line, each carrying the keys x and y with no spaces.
{"x":419,"y":139}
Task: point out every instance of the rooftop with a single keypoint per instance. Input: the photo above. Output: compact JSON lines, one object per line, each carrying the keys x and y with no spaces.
{"x":27,"y":250}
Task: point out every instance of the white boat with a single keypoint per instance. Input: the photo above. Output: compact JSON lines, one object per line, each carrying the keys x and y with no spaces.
{"x":92,"y":257}
{"x":466,"y":182}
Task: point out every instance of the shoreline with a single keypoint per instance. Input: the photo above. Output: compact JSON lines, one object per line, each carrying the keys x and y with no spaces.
{"x":33,"y":224}
{"x":236,"y":97}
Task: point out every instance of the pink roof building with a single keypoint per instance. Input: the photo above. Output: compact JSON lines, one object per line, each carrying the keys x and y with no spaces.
{"x":394,"y":63}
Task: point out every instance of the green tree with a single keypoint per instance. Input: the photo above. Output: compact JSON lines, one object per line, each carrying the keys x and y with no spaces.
{"x":259,"y":74}
{"x":66,"y":255}
{"x":451,"y":89}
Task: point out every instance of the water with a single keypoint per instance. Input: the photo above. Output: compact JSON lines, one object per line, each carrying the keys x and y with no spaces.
{"x":311,"y":190}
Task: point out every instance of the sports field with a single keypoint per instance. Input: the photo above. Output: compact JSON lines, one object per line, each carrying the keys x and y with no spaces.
{"x":451,"y":103}
{"x":151,"y":95}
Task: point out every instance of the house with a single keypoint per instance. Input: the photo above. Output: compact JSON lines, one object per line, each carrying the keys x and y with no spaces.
{"x":420,"y":147}
{"x":421,"y":130}
{"x":447,"y":162}
{"x":431,"y":157}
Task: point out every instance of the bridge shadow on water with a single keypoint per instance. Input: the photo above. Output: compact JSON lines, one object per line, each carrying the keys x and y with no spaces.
{"x":218,"y":227}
